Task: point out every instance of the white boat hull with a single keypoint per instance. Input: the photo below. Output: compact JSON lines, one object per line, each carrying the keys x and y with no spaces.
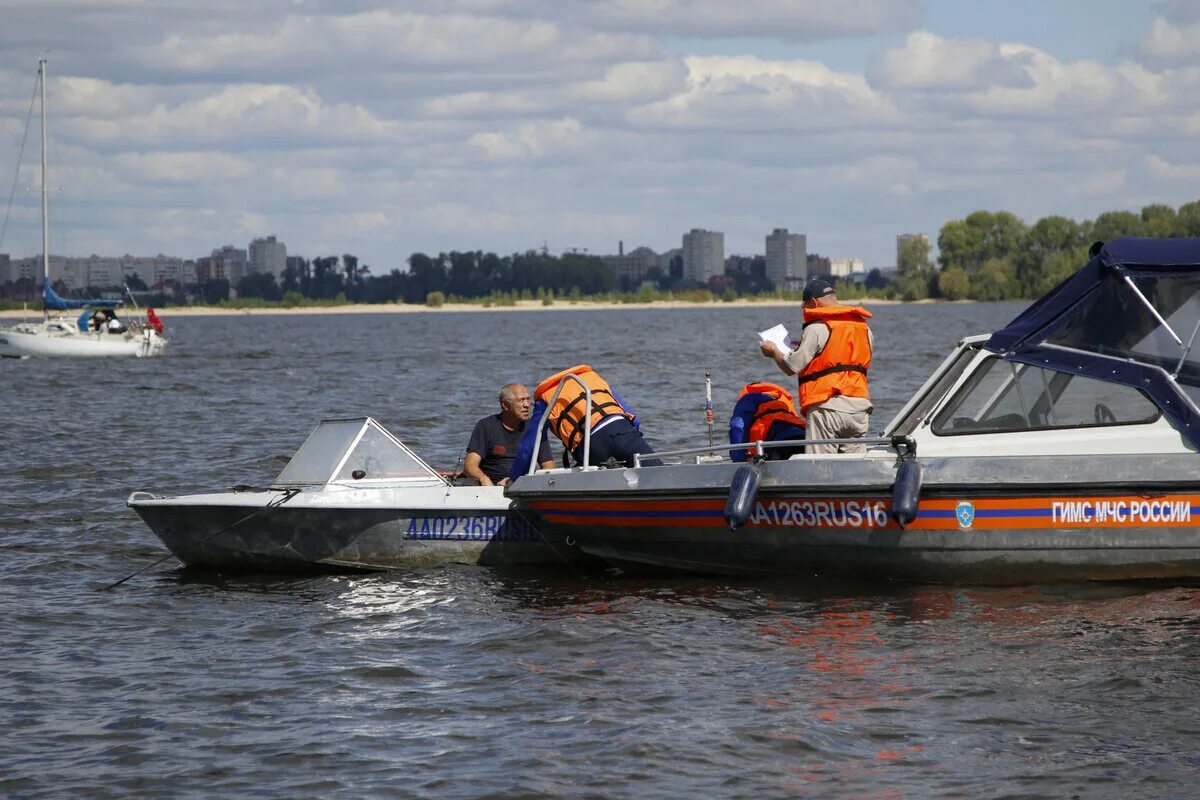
{"x":371,"y":529}
{"x":49,"y":340}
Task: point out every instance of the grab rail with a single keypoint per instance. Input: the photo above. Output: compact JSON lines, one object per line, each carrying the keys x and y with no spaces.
{"x":760,"y":446}
{"x":587,"y":428}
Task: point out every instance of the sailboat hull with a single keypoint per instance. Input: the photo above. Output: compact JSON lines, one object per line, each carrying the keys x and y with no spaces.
{"x":42,"y":341}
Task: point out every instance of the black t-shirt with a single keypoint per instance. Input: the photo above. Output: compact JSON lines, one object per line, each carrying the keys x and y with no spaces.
{"x":497,"y":446}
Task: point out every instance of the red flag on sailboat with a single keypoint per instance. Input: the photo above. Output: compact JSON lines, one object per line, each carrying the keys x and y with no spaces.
{"x":154,"y":322}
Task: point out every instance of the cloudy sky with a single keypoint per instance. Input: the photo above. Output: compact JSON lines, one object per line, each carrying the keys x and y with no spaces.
{"x":382,"y":128}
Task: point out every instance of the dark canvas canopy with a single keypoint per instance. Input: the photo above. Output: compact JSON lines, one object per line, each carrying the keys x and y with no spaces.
{"x":52,"y":301}
{"x":1131,"y":315}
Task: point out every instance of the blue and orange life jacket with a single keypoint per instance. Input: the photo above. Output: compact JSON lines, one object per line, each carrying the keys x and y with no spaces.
{"x":764,"y":412}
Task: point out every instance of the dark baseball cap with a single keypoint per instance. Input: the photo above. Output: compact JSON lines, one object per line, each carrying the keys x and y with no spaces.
{"x":817,"y":287}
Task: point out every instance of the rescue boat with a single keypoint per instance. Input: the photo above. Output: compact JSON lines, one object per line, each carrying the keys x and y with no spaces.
{"x":352,"y":497}
{"x":1062,"y":447}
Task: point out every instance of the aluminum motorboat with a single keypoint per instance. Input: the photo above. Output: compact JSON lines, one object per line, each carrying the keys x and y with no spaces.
{"x":1062,"y":447}
{"x":352,"y":497}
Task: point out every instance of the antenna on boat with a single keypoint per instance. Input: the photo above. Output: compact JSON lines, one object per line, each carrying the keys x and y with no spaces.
{"x":708,"y":408}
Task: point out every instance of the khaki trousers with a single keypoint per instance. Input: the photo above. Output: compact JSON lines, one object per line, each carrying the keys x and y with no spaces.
{"x":826,"y":424}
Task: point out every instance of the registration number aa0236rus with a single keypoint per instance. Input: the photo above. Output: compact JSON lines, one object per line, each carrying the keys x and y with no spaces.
{"x":473,"y":528}
{"x":821,"y":513}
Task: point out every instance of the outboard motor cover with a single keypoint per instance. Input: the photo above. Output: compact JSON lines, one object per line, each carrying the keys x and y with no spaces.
{"x":743,"y":491}
{"x":906,"y":491}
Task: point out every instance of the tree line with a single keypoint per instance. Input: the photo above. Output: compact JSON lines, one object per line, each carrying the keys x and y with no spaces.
{"x":994,"y":255}
{"x":988,"y":255}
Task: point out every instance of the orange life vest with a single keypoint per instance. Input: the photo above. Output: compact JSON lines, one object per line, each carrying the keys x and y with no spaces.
{"x":566,"y":416}
{"x":841,"y":366}
{"x":779,"y":409}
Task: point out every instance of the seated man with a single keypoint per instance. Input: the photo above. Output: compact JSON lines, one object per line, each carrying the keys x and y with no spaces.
{"x":615,"y":434}
{"x":495,"y":440}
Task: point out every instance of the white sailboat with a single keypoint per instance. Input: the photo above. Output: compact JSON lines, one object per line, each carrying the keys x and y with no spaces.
{"x":96,"y":332}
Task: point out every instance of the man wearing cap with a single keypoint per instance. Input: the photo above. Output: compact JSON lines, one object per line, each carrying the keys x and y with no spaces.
{"x":831,"y":360}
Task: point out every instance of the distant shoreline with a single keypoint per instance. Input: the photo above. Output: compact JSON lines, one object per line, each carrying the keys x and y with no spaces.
{"x":521,"y":305}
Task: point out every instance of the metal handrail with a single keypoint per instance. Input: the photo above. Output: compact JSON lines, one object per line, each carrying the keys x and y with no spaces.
{"x":587,"y":428}
{"x":761,"y":446}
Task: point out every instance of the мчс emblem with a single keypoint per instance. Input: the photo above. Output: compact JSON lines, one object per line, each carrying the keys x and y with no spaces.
{"x":964,"y":512}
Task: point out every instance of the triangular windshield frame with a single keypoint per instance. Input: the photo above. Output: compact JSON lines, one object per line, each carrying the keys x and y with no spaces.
{"x":308,"y":467}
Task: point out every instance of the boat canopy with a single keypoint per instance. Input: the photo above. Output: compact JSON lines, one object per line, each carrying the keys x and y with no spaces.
{"x":1131,"y":315}
{"x":53,"y":302}
{"x":354,"y":451}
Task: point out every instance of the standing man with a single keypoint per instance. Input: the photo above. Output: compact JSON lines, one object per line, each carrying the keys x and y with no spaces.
{"x":832,"y":360}
{"x":495,"y":440}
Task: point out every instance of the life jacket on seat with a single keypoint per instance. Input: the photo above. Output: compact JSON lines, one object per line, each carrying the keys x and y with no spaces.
{"x":841,"y":366}
{"x":765,"y":412}
{"x":566,"y":418}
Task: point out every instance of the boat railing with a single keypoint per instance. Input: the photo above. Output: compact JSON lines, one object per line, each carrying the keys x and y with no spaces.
{"x":587,"y":429}
{"x":760,"y":447}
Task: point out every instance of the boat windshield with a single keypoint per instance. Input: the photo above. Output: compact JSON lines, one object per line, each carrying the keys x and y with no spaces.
{"x":1006,"y":397}
{"x":1115,"y":320}
{"x":353,"y":450}
{"x":377,"y":456}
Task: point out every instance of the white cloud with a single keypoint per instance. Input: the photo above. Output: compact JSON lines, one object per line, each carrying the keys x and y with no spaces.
{"x":1171,"y":41}
{"x":237,"y":116}
{"x":318,"y":45}
{"x":1060,"y":89}
{"x":375,"y":128}
{"x":791,"y":19}
{"x":1163,"y":170}
{"x":752,"y":94}
{"x":929,"y":62}
{"x":534,"y":141}
{"x":182,"y":168}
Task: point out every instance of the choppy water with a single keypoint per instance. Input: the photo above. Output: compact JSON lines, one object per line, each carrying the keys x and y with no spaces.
{"x":465,"y":682}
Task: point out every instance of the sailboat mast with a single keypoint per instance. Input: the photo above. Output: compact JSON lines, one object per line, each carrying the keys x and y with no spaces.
{"x":45,"y":182}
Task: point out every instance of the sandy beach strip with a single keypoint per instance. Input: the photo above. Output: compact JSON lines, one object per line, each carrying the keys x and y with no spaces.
{"x":403,"y":308}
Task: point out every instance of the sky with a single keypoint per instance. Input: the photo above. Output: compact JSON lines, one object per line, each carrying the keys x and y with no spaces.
{"x":386,"y":128}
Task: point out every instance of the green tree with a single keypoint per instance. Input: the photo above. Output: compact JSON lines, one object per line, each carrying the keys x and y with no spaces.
{"x":1187,"y":220}
{"x":1158,"y":220}
{"x":913,"y":257}
{"x":214,"y":290}
{"x":958,"y":244}
{"x":982,"y":236}
{"x":992,"y":281}
{"x":1048,"y":236}
{"x":1113,"y":224}
{"x":913,"y":287}
{"x":259,"y":284}
{"x":953,"y":283}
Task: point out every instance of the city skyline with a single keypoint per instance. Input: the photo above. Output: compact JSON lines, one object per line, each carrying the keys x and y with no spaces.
{"x":502,"y":125}
{"x":268,"y":254}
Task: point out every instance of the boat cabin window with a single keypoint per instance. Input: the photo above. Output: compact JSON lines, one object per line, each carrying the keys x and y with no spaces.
{"x":321,"y":452}
{"x":336,"y":446}
{"x":1116,"y":321}
{"x":1006,"y":396}
{"x":947,"y":379}
{"x":377,"y":457}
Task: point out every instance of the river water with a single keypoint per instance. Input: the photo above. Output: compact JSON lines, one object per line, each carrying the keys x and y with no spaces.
{"x":463,"y":682}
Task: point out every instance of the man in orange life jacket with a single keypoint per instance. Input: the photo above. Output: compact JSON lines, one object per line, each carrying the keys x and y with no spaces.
{"x":832,"y":360}
{"x":495,"y":440}
{"x":615,"y":431}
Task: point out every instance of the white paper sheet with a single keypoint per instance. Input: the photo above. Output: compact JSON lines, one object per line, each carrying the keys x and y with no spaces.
{"x":777,"y":336}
